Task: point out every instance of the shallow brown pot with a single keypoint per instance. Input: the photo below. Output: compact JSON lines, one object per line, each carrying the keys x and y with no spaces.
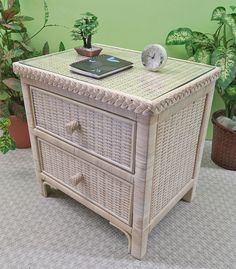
{"x":19,"y":132}
{"x":223,"y":144}
{"x":94,"y":51}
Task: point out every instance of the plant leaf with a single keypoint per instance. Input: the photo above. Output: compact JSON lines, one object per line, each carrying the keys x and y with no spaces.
{"x":13,"y":83}
{"x":179,"y":36}
{"x":46,"y":12}
{"x":190,"y":49}
{"x":3,"y":95}
{"x":203,"y":55}
{"x":12,"y":26}
{"x":14,"y":53}
{"x":230,"y":93}
{"x":233,"y":8}
{"x":14,"y":5}
{"x":1,"y":7}
{"x":200,"y":39}
{"x":26,"y":47}
{"x":218,"y":13}
{"x":22,"y":18}
{"x":4,"y":111}
{"x":225,"y":58}
{"x":46,"y":48}
{"x":4,"y":124}
{"x":6,"y":143}
{"x":62,"y":46}
{"x":229,"y":20}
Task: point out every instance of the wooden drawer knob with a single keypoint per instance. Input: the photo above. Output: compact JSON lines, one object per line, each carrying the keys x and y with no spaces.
{"x":76,"y":179}
{"x":72,"y":126}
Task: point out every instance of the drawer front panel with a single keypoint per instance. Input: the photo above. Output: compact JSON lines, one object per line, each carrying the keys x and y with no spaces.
{"x":105,"y":190}
{"x":103,"y":134}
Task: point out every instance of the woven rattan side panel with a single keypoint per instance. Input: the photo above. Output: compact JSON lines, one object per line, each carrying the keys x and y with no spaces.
{"x":100,"y":133}
{"x":176,"y":145}
{"x":109,"y":192}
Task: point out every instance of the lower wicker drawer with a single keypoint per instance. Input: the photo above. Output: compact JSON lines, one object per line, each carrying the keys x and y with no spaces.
{"x":96,"y":185}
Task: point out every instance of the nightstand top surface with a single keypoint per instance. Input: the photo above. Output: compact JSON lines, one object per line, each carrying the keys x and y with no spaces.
{"x":135,"y":89}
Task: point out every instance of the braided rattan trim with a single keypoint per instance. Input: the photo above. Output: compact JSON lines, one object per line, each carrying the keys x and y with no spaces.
{"x":118,"y":99}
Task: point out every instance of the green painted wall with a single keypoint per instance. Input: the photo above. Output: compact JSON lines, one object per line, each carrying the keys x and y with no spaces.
{"x":125,"y":23}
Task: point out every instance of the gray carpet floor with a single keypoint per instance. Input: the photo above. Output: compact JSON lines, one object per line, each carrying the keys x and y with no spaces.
{"x":57,"y":232}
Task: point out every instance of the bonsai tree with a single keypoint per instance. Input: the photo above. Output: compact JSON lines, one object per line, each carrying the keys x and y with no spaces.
{"x":85,"y":28}
{"x":218,"y":49}
{"x":14,"y":46}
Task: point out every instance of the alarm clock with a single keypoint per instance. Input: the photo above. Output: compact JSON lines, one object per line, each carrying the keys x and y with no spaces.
{"x":154,"y":57}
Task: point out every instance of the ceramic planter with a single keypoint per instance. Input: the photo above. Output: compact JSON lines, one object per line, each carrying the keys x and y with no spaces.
{"x":94,"y":51}
{"x":19,"y":132}
{"x":223,"y":144}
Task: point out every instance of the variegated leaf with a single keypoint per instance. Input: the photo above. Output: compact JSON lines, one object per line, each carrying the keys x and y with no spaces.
{"x":200,"y":39}
{"x":179,"y":36}
{"x":189,"y":48}
{"x":218,"y":13}
{"x":230,"y":93}
{"x":203,"y":55}
{"x":225,"y":58}
{"x":230,"y":21}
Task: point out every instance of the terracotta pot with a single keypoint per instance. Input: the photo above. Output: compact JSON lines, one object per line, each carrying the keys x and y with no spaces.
{"x":19,"y":132}
{"x":223,"y":144}
{"x":94,"y":51}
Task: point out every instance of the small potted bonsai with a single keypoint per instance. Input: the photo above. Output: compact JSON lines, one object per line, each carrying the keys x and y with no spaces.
{"x":217,"y":49}
{"x":14,"y":46}
{"x":84,"y":28}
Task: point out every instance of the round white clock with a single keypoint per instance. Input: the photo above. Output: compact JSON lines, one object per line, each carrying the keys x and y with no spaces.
{"x":154,"y":57}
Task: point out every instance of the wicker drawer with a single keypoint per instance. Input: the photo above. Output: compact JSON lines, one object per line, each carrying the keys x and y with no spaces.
{"x":101,"y":188}
{"x":98,"y":132}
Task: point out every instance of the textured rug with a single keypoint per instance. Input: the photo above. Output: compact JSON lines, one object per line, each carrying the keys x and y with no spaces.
{"x":57,"y":232}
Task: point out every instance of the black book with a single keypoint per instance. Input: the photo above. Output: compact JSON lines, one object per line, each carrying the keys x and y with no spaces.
{"x":100,"y":66}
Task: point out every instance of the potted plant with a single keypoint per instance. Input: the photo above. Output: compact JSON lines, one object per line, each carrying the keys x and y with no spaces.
{"x":84,"y":28}
{"x":218,"y":49}
{"x":14,"y":46}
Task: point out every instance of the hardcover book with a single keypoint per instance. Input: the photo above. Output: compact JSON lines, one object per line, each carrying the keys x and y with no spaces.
{"x":100,"y":66}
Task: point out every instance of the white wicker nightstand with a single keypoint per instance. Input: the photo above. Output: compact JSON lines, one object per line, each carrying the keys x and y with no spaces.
{"x":128,"y":146}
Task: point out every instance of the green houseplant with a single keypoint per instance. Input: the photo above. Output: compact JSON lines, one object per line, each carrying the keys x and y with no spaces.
{"x":217,"y":49}
{"x":14,"y":46}
{"x":84,"y":28}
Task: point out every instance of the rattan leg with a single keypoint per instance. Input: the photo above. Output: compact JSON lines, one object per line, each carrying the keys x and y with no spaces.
{"x":139,"y":243}
{"x":189,"y":196}
{"x":44,"y":188}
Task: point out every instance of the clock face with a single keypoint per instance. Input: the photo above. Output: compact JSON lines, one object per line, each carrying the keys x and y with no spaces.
{"x":154,"y":57}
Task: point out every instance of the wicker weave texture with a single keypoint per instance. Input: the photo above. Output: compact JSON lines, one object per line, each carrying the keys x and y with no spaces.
{"x":104,"y":134}
{"x":176,"y":146}
{"x":109,"y":192}
{"x":136,"y":81}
